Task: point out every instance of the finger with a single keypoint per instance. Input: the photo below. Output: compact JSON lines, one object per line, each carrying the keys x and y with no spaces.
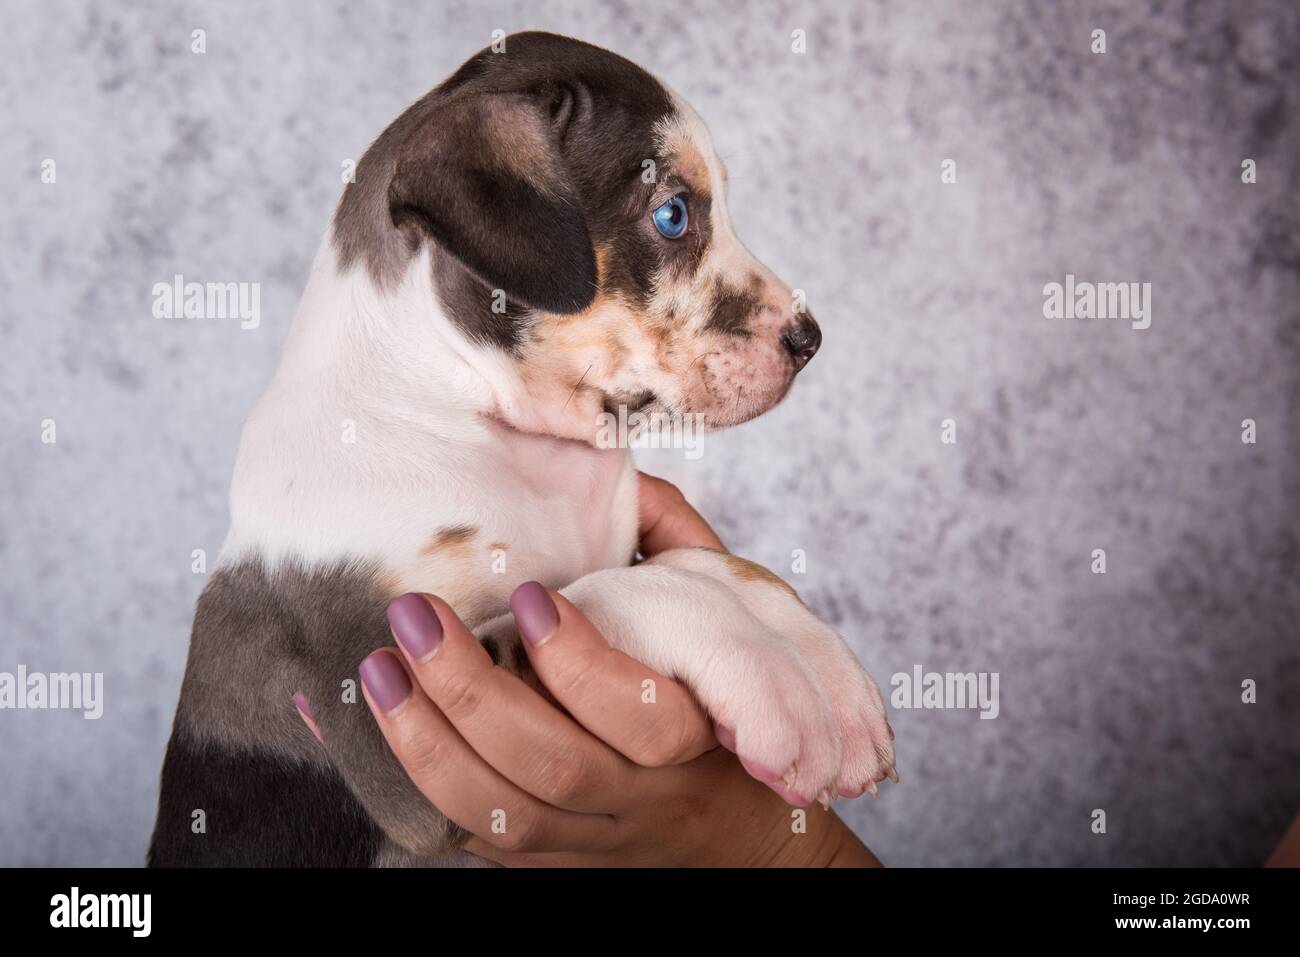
{"x":667,"y":520}
{"x":520,"y":734}
{"x":643,"y":715}
{"x":459,"y":782}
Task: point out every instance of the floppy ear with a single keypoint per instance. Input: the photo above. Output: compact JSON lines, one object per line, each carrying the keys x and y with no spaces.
{"x":484,"y":177}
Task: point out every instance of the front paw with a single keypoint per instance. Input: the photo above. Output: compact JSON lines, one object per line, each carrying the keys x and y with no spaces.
{"x":809,"y":722}
{"x":770,"y":708}
{"x":867,"y":735}
{"x":814,"y":726}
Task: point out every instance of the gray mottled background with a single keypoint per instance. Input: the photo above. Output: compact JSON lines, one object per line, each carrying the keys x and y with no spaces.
{"x":1119,"y":692}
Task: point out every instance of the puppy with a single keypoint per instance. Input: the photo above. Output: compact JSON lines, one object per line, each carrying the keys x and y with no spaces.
{"x":541,"y":239}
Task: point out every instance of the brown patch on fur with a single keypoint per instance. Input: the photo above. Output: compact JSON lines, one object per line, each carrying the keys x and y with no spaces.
{"x":586,"y":347}
{"x":661,"y":334}
{"x":615,"y":348}
{"x":498,"y":547}
{"x":748,"y":571}
{"x":689,"y":164}
{"x":732,"y":308}
{"x":603,"y":252}
{"x":520,"y":142}
{"x":449,"y":537}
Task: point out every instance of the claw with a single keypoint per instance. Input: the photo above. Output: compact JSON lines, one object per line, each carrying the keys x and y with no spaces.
{"x":892,"y":774}
{"x":872,"y":789}
{"x":824,"y":799}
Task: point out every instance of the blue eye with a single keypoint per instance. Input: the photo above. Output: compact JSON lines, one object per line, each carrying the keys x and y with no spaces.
{"x":670,"y":218}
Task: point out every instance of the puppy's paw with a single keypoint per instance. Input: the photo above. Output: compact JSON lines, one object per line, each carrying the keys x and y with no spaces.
{"x":867,"y":738}
{"x":859,"y":731}
{"x":771,"y":709}
{"x":810,"y":722}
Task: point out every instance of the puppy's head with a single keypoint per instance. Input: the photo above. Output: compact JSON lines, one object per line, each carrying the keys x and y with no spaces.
{"x":578,"y":215}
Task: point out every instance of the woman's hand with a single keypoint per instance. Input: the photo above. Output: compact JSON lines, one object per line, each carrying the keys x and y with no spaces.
{"x":623,"y":778}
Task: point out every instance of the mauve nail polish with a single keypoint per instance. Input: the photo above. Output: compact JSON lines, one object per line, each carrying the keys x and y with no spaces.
{"x":415,"y":625}
{"x":535,"y":613}
{"x":386,"y":680}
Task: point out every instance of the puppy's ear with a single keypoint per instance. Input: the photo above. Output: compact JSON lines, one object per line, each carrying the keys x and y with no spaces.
{"x":485,"y":178}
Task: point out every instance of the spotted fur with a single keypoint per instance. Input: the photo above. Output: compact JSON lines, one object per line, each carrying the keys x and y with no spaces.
{"x":489,"y":285}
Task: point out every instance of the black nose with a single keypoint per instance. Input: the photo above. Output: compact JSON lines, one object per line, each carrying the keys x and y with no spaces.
{"x":802,"y":341}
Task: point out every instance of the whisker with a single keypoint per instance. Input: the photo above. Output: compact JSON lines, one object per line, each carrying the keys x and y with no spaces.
{"x":701,"y":356}
{"x":575,"y":389}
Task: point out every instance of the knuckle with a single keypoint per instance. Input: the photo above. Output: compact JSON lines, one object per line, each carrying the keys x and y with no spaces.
{"x":666,"y":743}
{"x":573,"y":676}
{"x":424,"y":752}
{"x":522,"y":833}
{"x":568,"y":777}
{"x":459,"y":695}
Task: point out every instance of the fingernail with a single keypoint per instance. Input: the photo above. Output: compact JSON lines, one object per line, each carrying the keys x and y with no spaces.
{"x":300,"y":702}
{"x":386,"y":680}
{"x":535,"y":613}
{"x":415,"y":626}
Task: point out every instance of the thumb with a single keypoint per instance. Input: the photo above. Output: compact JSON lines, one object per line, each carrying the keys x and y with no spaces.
{"x":668,"y":521}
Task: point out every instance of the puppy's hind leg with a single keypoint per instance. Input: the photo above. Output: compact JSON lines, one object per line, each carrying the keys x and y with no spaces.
{"x":260,"y":636}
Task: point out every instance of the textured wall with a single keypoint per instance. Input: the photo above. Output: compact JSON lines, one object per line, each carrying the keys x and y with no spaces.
{"x":1119,"y":691}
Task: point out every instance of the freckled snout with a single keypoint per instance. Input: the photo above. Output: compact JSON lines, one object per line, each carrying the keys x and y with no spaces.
{"x":801,"y":340}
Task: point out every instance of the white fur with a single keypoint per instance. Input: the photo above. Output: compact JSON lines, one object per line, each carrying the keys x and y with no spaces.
{"x":427,"y":454}
{"x":447,"y":434}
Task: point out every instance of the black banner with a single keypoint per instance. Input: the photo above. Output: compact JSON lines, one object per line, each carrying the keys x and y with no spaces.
{"x":1225,"y":907}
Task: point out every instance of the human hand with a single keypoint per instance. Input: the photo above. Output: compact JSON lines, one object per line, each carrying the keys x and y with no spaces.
{"x":612,"y":782}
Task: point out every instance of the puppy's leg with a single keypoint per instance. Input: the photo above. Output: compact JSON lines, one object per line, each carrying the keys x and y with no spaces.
{"x":239,"y":751}
{"x":868,"y":754}
{"x":802,"y":710}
